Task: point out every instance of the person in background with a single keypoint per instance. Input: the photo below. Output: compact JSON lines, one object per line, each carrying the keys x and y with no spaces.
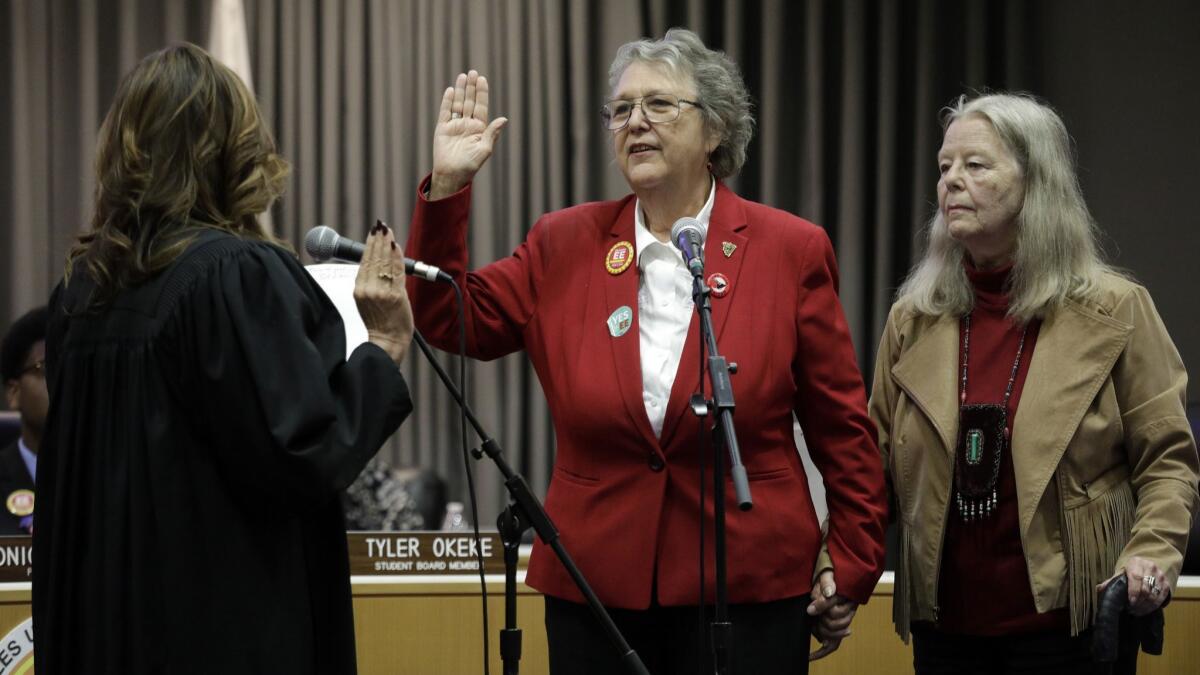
{"x":385,"y":499}
{"x":601,"y":303}
{"x":204,"y":417}
{"x":1030,"y":407}
{"x":22,"y":366}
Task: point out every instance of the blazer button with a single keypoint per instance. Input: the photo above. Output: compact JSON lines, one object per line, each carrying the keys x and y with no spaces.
{"x":656,"y":462}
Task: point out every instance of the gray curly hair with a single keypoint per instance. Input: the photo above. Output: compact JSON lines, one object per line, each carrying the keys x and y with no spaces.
{"x":719,"y":86}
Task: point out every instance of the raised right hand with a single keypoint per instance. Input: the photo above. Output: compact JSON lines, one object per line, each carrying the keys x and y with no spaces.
{"x":463,"y":139}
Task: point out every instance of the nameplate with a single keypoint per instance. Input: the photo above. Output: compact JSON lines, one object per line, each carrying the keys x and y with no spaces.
{"x":410,"y":553}
{"x":16,"y":559}
{"x":371,"y":553}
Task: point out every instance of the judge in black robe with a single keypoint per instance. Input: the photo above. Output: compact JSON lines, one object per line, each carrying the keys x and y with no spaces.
{"x":202,"y":424}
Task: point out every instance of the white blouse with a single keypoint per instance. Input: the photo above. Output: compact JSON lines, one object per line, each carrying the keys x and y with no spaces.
{"x":664,"y":311}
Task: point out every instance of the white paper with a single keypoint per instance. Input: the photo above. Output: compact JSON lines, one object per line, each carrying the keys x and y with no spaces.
{"x":337,"y":280}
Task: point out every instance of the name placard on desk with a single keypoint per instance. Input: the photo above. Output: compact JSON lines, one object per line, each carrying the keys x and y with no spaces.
{"x":424,"y":553}
{"x":371,"y":553}
{"x":16,"y":559}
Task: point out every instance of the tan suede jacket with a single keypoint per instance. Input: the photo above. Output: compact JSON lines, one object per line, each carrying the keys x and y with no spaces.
{"x":1106,"y":465}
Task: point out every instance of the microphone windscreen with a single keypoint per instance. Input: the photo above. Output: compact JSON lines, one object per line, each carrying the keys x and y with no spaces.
{"x":689,"y":225}
{"x":321,"y":242}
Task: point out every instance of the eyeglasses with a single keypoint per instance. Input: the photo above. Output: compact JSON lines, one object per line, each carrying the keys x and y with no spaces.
{"x":656,"y":108}
{"x":38,"y":368}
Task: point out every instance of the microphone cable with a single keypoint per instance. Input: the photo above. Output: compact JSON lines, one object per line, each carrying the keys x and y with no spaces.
{"x":318,"y":244}
{"x":466,"y":453}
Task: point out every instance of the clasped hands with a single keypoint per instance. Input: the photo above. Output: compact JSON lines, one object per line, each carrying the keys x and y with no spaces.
{"x":832,"y":614}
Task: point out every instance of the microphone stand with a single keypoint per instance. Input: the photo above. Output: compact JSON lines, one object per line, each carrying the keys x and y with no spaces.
{"x":523,"y":512}
{"x":723,"y":431}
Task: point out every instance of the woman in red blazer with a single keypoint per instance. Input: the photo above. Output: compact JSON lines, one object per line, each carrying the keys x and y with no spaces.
{"x":601,"y":302}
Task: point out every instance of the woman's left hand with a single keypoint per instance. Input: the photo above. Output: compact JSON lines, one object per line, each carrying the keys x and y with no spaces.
{"x":1143,"y":597}
{"x":380,"y":294}
{"x":832,"y":614}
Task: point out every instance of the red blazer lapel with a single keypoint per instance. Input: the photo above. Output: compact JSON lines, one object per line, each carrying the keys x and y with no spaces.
{"x":724,"y":233}
{"x":621,"y":291}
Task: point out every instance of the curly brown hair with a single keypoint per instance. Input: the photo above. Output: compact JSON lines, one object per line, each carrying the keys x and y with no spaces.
{"x":183,"y":147}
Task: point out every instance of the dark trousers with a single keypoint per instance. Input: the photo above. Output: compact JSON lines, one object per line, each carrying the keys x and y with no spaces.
{"x":939,"y":653}
{"x":769,"y":638}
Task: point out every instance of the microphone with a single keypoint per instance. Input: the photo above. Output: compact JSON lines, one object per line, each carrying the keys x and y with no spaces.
{"x":324,"y":243}
{"x":688,"y":236}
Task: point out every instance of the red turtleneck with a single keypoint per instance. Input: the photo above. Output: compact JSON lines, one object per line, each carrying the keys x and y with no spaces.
{"x":984,"y":584}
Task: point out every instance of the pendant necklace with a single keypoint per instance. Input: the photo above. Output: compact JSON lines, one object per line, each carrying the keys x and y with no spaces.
{"x":982,"y":440}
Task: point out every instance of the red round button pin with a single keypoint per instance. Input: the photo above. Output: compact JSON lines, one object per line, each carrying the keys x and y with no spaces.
{"x":719,"y":283}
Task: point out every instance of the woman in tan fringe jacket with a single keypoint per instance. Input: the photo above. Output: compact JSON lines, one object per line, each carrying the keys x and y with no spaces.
{"x":1030,"y":407}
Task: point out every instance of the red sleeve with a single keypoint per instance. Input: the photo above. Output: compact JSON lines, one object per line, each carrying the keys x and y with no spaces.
{"x":832,"y":408}
{"x":499,"y":299}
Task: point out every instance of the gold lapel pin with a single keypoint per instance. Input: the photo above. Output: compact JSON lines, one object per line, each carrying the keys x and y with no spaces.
{"x":728,"y":247}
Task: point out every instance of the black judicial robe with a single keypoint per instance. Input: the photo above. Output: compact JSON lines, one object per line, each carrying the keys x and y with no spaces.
{"x":200,"y":430}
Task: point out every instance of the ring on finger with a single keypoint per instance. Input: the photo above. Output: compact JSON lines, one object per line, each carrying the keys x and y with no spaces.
{"x":1149,"y":581}
{"x":386,"y":276}
{"x":455,"y":115}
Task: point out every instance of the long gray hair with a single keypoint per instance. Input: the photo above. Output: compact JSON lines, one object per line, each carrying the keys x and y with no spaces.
{"x":1057,"y":257}
{"x":719,"y":86}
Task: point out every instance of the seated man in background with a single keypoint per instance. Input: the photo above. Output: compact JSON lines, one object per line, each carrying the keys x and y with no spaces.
{"x":22,"y":360}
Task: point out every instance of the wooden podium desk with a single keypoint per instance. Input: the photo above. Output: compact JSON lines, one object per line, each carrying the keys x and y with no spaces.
{"x":430,"y":625}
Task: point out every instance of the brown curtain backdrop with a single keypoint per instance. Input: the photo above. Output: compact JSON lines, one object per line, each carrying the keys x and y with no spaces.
{"x":847,"y":96}
{"x":60,"y":63}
